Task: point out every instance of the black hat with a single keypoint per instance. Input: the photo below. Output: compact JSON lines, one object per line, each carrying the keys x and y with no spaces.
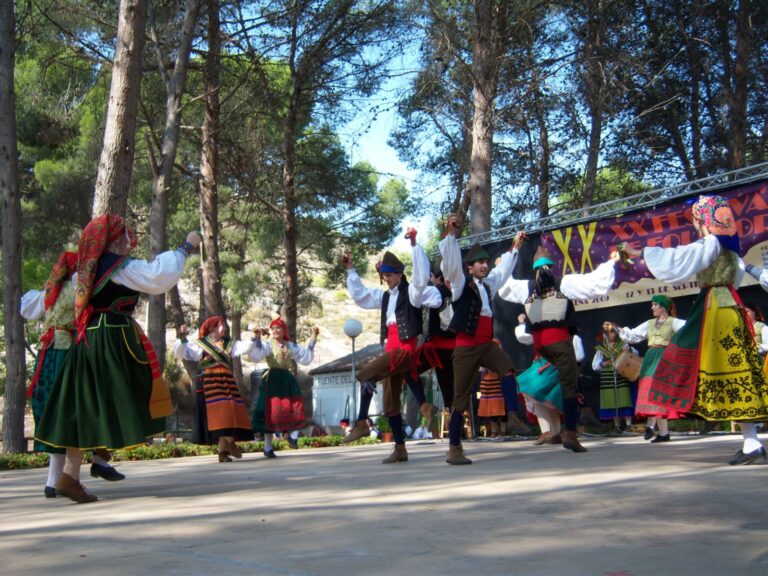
{"x":390,"y":263}
{"x":475,"y":253}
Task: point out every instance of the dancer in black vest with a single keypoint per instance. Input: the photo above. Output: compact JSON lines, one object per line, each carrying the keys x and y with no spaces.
{"x":552,"y":323}
{"x":401,"y":324}
{"x":472,"y":288}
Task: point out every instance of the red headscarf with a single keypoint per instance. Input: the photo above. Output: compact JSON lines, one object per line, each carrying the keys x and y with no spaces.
{"x":279,"y":322}
{"x":65,"y":266}
{"x":209,"y":326}
{"x":96,"y":237}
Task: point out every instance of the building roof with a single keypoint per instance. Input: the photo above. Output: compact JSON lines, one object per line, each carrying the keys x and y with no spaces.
{"x":344,"y":364}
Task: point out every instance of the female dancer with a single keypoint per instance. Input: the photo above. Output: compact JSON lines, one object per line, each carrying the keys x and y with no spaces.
{"x":658,"y":331}
{"x":711,"y":367}
{"x":280,"y":407}
{"x":110,"y":392}
{"x":616,"y":391}
{"x":223,"y":409}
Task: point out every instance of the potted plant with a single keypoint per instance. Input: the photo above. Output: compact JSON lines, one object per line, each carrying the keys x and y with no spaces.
{"x":382,"y":423}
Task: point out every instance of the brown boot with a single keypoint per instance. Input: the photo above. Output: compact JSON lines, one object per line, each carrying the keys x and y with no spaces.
{"x":456,"y":455}
{"x":571,"y":441}
{"x":234,"y":449}
{"x":360,"y":430}
{"x":72,"y":489}
{"x":399,"y":454}
{"x":556,"y":439}
{"x":545,"y":438}
{"x":224,"y":456}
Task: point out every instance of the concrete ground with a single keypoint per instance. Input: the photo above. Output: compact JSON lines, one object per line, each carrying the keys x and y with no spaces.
{"x":625,"y":508}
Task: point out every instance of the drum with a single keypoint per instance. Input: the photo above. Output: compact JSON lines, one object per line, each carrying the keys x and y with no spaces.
{"x":628,"y":365}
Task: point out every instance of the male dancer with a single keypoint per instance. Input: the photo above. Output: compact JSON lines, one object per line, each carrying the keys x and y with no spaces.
{"x":401,"y":324}
{"x":552,"y":323}
{"x":472,"y":289}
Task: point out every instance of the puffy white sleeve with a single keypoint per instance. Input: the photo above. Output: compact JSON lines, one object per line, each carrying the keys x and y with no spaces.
{"x":33,"y":305}
{"x":637,"y":334}
{"x":764,"y":346}
{"x":367,"y":298}
{"x":187,"y":351}
{"x":242,"y":348}
{"x":677,"y":323}
{"x":683,"y":262}
{"x":452,"y":266}
{"x":259,"y":350}
{"x":155,"y":277}
{"x":597,"y":361}
{"x":522,"y":336}
{"x":302,"y":354}
{"x":501,"y":273}
{"x":589,"y":285}
{"x":514,"y":290}
{"x":578,"y":348}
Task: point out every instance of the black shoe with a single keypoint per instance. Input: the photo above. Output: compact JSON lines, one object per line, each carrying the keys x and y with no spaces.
{"x":293,"y":443}
{"x":707,"y":427}
{"x":50,"y":492}
{"x":106,"y":472}
{"x":649,"y":433}
{"x":749,"y":458}
{"x":660,"y":438}
{"x":270,"y":453}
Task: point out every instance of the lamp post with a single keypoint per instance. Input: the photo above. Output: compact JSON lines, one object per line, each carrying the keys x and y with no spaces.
{"x":353,"y":328}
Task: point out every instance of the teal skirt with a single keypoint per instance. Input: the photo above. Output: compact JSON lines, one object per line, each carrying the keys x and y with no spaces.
{"x":540,"y":382}
{"x":100,"y":398}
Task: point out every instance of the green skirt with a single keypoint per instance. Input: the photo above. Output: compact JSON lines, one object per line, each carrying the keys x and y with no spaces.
{"x":53,"y":361}
{"x":280,"y":407}
{"x":100,"y":398}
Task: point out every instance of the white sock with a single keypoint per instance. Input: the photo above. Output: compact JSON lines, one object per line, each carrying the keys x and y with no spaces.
{"x":554,"y":421}
{"x":651,"y":422}
{"x":295,"y":435}
{"x":663,"y":426}
{"x":628,"y":420}
{"x":74,"y":458}
{"x":55,"y":468}
{"x":749,"y":433}
{"x":542,"y":415}
{"x":268,"y":441}
{"x":100,"y":461}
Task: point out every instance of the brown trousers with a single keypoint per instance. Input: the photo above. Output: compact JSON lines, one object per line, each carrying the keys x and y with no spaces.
{"x":392,"y":368}
{"x":563,"y":357}
{"x":467,"y":360}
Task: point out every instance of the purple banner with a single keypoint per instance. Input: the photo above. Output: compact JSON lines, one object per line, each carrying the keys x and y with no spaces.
{"x":582,"y":247}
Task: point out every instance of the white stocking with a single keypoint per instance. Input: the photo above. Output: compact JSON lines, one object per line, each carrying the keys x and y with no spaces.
{"x":749,"y":433}
{"x":542,"y":415}
{"x":74,"y":459}
{"x":268,"y":441}
{"x":55,"y":468}
{"x":651,"y":422}
{"x":554,"y":421}
{"x":663,"y":426}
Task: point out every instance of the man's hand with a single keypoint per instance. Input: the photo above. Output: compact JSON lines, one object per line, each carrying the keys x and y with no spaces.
{"x":410,"y":234}
{"x":453,"y":225}
{"x":346,"y":260}
{"x":315,"y":331}
{"x":521,"y":319}
{"x":519,"y":240}
{"x":182,"y":331}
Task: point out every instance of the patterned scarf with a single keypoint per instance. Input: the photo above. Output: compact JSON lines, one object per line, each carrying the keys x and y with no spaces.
{"x":96,"y":237}
{"x":716,"y":214}
{"x":65,"y":266}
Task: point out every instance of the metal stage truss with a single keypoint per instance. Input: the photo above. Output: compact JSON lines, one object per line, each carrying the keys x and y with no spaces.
{"x":625,"y":204}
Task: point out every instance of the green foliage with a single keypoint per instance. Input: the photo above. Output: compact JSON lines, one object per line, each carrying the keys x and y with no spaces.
{"x":382,"y":423}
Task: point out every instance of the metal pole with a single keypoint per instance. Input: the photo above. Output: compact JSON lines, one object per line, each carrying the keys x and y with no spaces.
{"x":353,"y":410}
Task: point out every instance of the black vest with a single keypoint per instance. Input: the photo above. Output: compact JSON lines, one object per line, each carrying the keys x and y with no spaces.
{"x":407,"y":316}
{"x":434,"y":328}
{"x":554,"y":311}
{"x":466,"y":310}
{"x":116,"y":296}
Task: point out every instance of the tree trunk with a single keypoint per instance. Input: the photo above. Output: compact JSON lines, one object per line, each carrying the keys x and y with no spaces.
{"x":485,"y":77}
{"x":158,"y":216}
{"x":543,"y":167}
{"x":113,"y":179}
{"x":595,"y":85}
{"x":290,"y":305}
{"x":16,"y":373}
{"x":177,"y":311}
{"x":237,"y":364}
{"x":209,"y":193}
{"x":738,"y":101}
